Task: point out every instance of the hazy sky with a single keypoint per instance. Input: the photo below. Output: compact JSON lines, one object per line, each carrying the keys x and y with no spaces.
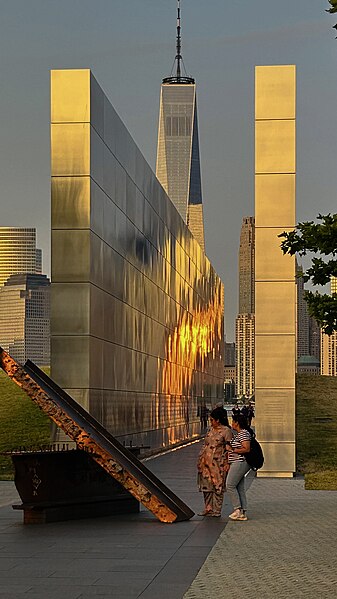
{"x":130,"y":46}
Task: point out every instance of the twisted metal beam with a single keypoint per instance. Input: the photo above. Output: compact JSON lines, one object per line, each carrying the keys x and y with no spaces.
{"x":98,"y":450}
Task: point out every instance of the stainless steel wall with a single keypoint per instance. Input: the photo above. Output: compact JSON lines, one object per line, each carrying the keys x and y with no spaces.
{"x":275,"y":289}
{"x":137,"y":327}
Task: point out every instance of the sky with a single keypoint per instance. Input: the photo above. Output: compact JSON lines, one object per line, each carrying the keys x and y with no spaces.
{"x":130,"y":47}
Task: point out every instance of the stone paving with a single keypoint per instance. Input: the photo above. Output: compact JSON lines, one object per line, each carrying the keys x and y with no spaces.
{"x":124,"y":557}
{"x":288,"y":549}
{"x":8,"y":493}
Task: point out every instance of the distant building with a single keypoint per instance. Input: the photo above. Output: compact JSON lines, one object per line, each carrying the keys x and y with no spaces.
{"x":229,"y":382}
{"x":229,"y":390}
{"x":329,"y":354}
{"x":229,"y":354}
{"x":247,"y":266}
{"x":333,"y":285}
{"x":245,"y":354}
{"x":308,"y":365}
{"x":314,"y":339}
{"x":25,"y":318}
{"x":17,"y":252}
{"x":302,"y":316}
{"x":39,"y":262}
{"x":329,"y":344}
{"x":229,"y":373}
{"x":178,"y":160}
{"x":245,"y":321}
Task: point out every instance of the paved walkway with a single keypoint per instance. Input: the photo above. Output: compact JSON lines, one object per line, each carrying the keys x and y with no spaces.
{"x":124,"y":557}
{"x":287,"y":549}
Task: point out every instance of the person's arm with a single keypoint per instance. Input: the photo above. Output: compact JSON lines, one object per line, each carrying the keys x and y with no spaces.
{"x":245,"y":447}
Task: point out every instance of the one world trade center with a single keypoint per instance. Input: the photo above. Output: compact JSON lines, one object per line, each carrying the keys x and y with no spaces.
{"x":178,"y":161}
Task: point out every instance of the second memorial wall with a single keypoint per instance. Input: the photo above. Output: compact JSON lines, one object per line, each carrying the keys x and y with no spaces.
{"x":137,"y":308}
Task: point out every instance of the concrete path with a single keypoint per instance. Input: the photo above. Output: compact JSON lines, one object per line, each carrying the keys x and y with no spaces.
{"x":288,"y":549}
{"x":126,"y":556}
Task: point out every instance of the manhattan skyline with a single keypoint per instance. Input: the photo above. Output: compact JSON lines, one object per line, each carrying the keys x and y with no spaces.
{"x":221,"y":48}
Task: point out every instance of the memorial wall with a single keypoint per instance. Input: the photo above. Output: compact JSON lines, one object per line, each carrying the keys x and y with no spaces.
{"x":275,"y":289}
{"x":137,"y":308}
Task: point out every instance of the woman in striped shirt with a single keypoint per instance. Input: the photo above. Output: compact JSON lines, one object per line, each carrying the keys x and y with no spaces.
{"x":238,"y":467}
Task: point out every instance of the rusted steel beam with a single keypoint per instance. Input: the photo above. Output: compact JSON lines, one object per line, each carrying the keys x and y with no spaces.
{"x":84,"y":441}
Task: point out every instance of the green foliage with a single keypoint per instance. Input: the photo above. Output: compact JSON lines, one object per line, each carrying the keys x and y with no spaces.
{"x":316,"y":430}
{"x":324,"y":309}
{"x":21,"y":423}
{"x":319,"y":238}
{"x":333,"y":8}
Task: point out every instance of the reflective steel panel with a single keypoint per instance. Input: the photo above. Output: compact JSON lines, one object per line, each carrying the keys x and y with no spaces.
{"x":70,"y":92}
{"x":275,"y":146}
{"x":282,"y":187}
{"x":275,"y":94}
{"x":138,"y":309}
{"x":275,"y":293}
{"x":70,"y":149}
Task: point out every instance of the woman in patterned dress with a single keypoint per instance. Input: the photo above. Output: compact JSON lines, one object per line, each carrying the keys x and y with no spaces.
{"x":213,"y":463}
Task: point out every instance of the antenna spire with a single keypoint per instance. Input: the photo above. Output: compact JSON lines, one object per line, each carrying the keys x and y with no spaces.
{"x":178,"y":77}
{"x":178,"y":55}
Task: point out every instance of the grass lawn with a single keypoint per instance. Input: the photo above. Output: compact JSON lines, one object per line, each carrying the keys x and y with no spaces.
{"x":21,"y":423}
{"x":316,"y":431}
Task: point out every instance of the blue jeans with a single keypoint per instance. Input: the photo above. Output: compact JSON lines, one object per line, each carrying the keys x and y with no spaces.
{"x":235,"y":484}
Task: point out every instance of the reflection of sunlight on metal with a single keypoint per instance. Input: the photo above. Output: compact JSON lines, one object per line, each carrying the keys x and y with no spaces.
{"x":189,"y":345}
{"x":152,"y":457}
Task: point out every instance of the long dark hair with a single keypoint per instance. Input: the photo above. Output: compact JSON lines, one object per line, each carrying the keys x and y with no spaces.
{"x":220,"y":414}
{"x":242,"y":422}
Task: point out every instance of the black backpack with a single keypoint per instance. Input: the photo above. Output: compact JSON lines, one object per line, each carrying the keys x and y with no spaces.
{"x":254,"y":457}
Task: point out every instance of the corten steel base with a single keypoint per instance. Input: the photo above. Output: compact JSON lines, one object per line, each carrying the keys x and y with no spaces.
{"x":66,"y":485}
{"x":92,"y":437}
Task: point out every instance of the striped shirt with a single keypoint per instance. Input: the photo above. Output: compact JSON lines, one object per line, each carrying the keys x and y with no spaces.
{"x":236,"y":443}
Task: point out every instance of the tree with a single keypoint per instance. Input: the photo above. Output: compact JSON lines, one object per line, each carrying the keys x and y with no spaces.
{"x":318,"y":238}
{"x":333,"y":9}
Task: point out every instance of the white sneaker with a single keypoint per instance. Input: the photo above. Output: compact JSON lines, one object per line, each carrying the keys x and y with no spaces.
{"x":243,"y":517}
{"x":236,"y":515}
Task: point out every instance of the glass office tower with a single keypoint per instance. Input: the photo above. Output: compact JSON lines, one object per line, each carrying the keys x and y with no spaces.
{"x":17,"y":251}
{"x":25,"y":318}
{"x":136,"y":310}
{"x":245,"y":321}
{"x":178,"y":160}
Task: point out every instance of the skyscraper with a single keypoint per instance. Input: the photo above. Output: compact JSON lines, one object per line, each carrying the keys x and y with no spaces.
{"x":17,"y":251}
{"x":25,"y":317}
{"x":245,"y":354}
{"x":178,"y":160}
{"x":329,"y":354}
{"x":245,"y":322}
{"x":308,"y":331}
{"x":329,"y":344}
{"x":314,"y":338}
{"x":38,"y":262}
{"x":302,"y":316}
{"x":247,"y":267}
